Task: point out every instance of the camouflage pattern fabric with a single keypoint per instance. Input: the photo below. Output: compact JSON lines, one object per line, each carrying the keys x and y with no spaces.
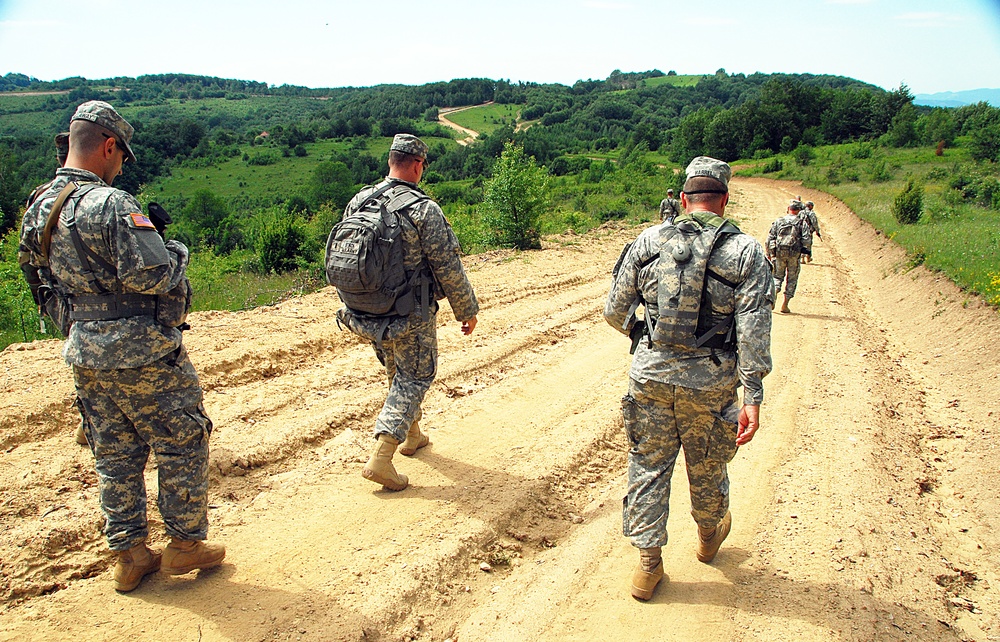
{"x":409,"y":353}
{"x":669,"y":209}
{"x":410,"y":365}
{"x":112,"y":225}
{"x":660,"y":419}
{"x":434,"y":242}
{"x":130,"y":411}
{"x":786,"y":270}
{"x":739,"y":259}
{"x":810,"y":226}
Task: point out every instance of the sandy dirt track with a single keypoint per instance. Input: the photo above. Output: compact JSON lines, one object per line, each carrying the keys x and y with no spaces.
{"x":865,"y":508}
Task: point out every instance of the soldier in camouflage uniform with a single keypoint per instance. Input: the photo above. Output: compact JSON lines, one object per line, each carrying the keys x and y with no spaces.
{"x":785,"y":241}
{"x":127,"y":294}
{"x":669,"y":208}
{"x":810,"y":226}
{"x":684,"y":396}
{"x":407,"y":347}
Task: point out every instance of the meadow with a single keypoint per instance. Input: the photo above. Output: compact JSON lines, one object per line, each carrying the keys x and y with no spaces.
{"x":487,"y":118}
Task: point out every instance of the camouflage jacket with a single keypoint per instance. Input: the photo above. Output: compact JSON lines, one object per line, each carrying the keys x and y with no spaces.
{"x":778,"y":224}
{"x":739,"y":259}
{"x":669,"y":208}
{"x":111,"y":225}
{"x":431,"y":242}
{"x":810,"y":224}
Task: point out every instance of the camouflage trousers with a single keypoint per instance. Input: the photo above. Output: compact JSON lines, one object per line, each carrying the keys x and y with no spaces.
{"x":130,"y":411}
{"x":410,"y":362}
{"x":660,"y":419}
{"x":786,"y":270}
{"x":807,"y":243}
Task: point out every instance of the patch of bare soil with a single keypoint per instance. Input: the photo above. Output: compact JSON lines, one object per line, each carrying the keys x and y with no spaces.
{"x":864,"y":510}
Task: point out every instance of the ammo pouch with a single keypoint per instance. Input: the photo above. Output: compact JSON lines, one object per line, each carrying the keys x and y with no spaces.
{"x":172,"y":307}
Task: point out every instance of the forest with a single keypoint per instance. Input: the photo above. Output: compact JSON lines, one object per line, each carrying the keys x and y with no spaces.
{"x":254,"y":175}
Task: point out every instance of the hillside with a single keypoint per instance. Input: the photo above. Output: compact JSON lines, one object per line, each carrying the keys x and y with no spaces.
{"x":864,"y":509}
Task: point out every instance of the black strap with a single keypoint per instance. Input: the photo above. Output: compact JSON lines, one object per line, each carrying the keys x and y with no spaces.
{"x":108,"y":306}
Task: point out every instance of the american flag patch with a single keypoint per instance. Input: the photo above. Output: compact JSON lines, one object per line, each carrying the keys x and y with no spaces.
{"x":141,"y":220}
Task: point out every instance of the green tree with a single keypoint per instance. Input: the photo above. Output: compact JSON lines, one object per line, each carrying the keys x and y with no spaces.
{"x":331,"y":182}
{"x":909,"y":203}
{"x":203,"y":214}
{"x":514,"y":198}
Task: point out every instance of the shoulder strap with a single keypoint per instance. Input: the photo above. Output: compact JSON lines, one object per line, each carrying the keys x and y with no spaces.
{"x":50,"y":223}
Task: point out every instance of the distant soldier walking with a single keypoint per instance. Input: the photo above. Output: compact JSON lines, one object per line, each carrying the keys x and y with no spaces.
{"x":670,"y":207}
{"x":810,"y":226}
{"x":707,"y":293}
{"x":405,"y":335}
{"x":784,"y":246}
{"x":126,"y":295}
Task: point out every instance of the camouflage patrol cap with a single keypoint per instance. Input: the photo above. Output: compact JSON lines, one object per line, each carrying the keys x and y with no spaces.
{"x":796,"y":206}
{"x":809,"y":203}
{"x":62,"y":147}
{"x":670,"y":191}
{"x":710,"y":167}
{"x":409,"y":144}
{"x":103,"y":114}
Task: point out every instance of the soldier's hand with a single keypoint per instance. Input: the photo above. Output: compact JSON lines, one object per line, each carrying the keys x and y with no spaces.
{"x":468,"y":326}
{"x":749,"y":422}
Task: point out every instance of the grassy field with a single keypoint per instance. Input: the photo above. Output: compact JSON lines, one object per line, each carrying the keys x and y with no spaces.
{"x":955,"y":236}
{"x":487,"y":118}
{"x":289,"y":176}
{"x":675,"y":81}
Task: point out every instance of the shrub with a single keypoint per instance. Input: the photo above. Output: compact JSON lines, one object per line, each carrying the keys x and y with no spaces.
{"x":773,"y":165}
{"x":908,"y":204}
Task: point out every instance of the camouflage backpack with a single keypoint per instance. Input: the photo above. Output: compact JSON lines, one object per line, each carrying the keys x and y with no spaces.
{"x":364,"y":254}
{"x":788,"y":239}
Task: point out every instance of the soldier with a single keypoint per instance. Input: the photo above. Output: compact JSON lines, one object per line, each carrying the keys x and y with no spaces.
{"x":669,"y":208}
{"x":707,"y":293}
{"x":126,"y":294}
{"x":785,"y":241}
{"x":810,"y":226}
{"x":407,"y":345}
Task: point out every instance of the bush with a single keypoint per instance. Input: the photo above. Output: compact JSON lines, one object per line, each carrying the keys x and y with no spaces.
{"x":908,"y":204}
{"x":773,"y":165}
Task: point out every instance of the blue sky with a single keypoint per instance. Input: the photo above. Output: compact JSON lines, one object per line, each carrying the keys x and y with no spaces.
{"x":931,"y":45}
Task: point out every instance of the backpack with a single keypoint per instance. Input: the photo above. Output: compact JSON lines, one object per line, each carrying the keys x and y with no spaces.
{"x":789,"y":236}
{"x":364,"y":255}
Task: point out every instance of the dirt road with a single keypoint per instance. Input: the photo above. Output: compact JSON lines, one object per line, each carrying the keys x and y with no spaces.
{"x":865,"y":509}
{"x":470,"y":135}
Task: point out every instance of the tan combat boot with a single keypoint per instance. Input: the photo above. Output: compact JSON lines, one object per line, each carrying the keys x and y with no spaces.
{"x":81,"y":435}
{"x":379,"y":468}
{"x":133,"y":565}
{"x":709,"y":540}
{"x":648,"y":574}
{"x":183,"y":556}
{"x":414,"y":441}
{"x":784,"y":305}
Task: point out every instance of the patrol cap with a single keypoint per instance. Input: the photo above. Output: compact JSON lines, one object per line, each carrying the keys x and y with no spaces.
{"x":103,"y":114}
{"x":711,"y":168}
{"x":670,"y":191}
{"x":809,"y":203}
{"x":409,"y":144}
{"x":796,"y":206}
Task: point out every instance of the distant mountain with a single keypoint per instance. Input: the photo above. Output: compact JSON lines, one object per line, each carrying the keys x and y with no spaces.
{"x":959,"y":98}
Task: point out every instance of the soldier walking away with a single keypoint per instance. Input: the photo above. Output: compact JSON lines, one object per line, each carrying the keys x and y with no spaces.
{"x":707,"y":294}
{"x":403,"y":329}
{"x":810,"y":226}
{"x":784,"y":246}
{"x":670,"y":207}
{"x":121,"y":294}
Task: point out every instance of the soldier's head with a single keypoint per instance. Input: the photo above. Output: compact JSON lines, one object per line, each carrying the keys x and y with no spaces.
{"x":670,"y":192}
{"x":99,"y":140}
{"x":407,"y":158}
{"x":809,"y":205}
{"x":795,"y":207}
{"x":707,"y":185}
{"x":62,"y":147}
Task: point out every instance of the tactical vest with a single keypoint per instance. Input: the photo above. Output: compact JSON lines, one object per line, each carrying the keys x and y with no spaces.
{"x":681,"y":271}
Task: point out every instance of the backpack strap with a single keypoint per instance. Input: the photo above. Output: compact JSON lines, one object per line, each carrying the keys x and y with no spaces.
{"x":53,"y":219}
{"x":398,"y":204}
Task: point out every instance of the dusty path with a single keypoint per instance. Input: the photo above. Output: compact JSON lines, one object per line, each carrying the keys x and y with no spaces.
{"x":864,"y":510}
{"x":470,"y":135}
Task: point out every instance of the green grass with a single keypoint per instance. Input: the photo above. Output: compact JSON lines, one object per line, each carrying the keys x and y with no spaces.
{"x":956,"y":237}
{"x":674,"y":81}
{"x":289,"y":176}
{"x":487,"y":118}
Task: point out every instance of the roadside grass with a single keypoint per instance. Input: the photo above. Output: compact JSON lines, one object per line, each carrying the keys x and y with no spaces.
{"x":487,"y":118}
{"x":954,"y":236}
{"x":675,"y":81}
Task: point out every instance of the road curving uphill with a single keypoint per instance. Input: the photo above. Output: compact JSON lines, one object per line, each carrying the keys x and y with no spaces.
{"x":864,"y":508}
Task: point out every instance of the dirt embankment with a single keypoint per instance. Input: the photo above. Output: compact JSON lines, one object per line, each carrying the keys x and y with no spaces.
{"x":865,"y":508}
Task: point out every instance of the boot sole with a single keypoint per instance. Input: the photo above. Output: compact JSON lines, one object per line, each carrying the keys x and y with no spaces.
{"x":642,"y":593}
{"x":409,"y":452}
{"x":191,"y":567}
{"x":386,"y":482}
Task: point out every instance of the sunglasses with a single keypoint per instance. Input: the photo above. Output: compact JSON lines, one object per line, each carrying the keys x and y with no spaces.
{"x":119,"y":145}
